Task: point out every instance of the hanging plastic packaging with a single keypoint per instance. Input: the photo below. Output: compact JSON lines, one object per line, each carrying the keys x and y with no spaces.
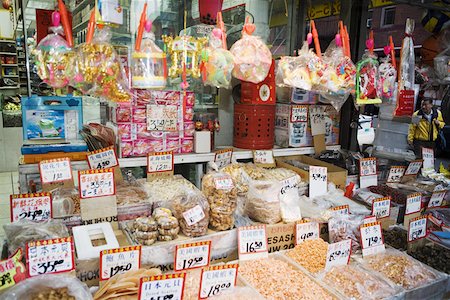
{"x":54,"y":56}
{"x":292,"y":71}
{"x":387,"y":76}
{"x":252,"y":57}
{"x":405,"y":98}
{"x":367,"y":76}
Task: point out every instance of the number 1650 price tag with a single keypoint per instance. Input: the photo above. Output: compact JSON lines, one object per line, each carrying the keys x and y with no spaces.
{"x":252,"y":242}
{"x":192,"y":255}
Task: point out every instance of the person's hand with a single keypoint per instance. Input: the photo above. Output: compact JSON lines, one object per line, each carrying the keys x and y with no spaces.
{"x":410,"y":143}
{"x":436,"y":122}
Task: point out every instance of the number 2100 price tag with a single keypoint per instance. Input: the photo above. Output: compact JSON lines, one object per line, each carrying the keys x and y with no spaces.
{"x":216,"y":279}
{"x":252,"y":242}
{"x":192,"y":255}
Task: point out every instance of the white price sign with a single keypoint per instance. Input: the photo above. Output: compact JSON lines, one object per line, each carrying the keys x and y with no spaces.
{"x":341,"y":210}
{"x":263,"y":157}
{"x":192,"y":255}
{"x":162,"y":117}
{"x":317,"y":181}
{"x":414,"y":167}
{"x":396,"y":174}
{"x":96,"y":183}
{"x":417,"y":228}
{"x":217,"y":279}
{"x":428,"y":158}
{"x":252,"y":242}
{"x":368,"y":172}
{"x":371,"y":239}
{"x":33,"y":207}
{"x":317,"y":117}
{"x":306,"y":231}
{"x":413,"y":203}
{"x":299,"y":113}
{"x":338,"y":254}
{"x":194,"y":215}
{"x":223,"y":157}
{"x":55,"y":170}
{"x":160,"y":162}
{"x":119,"y":261}
{"x":381,"y":208}
{"x":103,"y":158}
{"x":289,"y":183}
{"x":50,"y":256}
{"x":436,"y":199}
{"x":162,"y":287}
{"x":223,"y":182}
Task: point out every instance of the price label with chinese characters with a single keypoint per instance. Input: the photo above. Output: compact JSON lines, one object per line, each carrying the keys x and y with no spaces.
{"x":396,"y":174}
{"x":436,"y":199}
{"x":33,"y":207}
{"x":289,"y":183}
{"x":12,"y":270}
{"x":413,"y":203}
{"x":305,"y":230}
{"x":371,"y":239}
{"x":414,"y":167}
{"x":317,"y":181}
{"x":162,"y":117}
{"x":369,"y":219}
{"x":417,"y":228}
{"x":338,"y":254}
{"x":368,"y":172}
{"x":103,"y":158}
{"x":160,"y":162}
{"x":223,"y":182}
{"x":299,"y":113}
{"x":264,"y":158}
{"x":96,"y":183}
{"x":50,"y":256}
{"x":194,"y":215}
{"x":428,"y":158}
{"x":341,"y":210}
{"x":162,"y":287}
{"x":223,"y":157}
{"x":119,"y":260}
{"x":317,"y":117}
{"x":381,"y":208}
{"x":192,"y":255}
{"x":55,"y":170}
{"x":252,"y":242}
{"x":217,"y":279}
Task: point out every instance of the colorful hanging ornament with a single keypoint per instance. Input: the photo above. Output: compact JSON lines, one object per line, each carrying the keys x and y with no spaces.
{"x":387,"y":76}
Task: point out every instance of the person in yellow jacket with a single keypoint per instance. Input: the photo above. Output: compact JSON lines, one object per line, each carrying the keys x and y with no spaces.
{"x":425,"y":126}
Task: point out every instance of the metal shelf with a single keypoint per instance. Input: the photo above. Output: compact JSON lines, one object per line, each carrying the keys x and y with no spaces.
{"x":11,"y":76}
{"x":9,"y":65}
{"x":8,"y":53}
{"x":9,"y":87}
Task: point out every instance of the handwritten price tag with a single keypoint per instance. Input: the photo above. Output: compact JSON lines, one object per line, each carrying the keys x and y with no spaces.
{"x":50,"y":256}
{"x":306,"y":231}
{"x":103,"y":158}
{"x":96,"y":183}
{"x":428,"y":158}
{"x":162,"y":287}
{"x":160,"y":162}
{"x":224,"y":182}
{"x":371,"y":239}
{"x":317,"y":117}
{"x":223,"y":157}
{"x":368,"y":172}
{"x":338,"y":254}
{"x":217,"y":279}
{"x":252,"y":242}
{"x":299,"y":113}
{"x":417,"y":228}
{"x":413,"y":203}
{"x":381,"y":208}
{"x":317,"y":181}
{"x":162,"y":117}
{"x":289,"y":183}
{"x":33,"y":207}
{"x":119,"y":260}
{"x":414,"y":167}
{"x":12,"y":270}
{"x":194,"y":215}
{"x":55,"y":170}
{"x":192,"y":255}
{"x":264,"y":158}
{"x":341,"y":210}
{"x":396,"y":174}
{"x":436,"y":199}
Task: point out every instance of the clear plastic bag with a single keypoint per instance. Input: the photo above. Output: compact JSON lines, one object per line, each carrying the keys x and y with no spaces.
{"x":65,"y":202}
{"x":366,"y":196}
{"x":263,"y":201}
{"x":387,"y":76}
{"x":342,"y":227}
{"x":290,"y":199}
{"x":37,"y":287}
{"x":367,"y":80}
{"x":292,"y":71}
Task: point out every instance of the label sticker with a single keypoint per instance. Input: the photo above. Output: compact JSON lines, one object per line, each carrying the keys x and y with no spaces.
{"x":223,"y":182}
{"x":252,"y":242}
{"x":217,"y":279}
{"x":341,"y":210}
{"x":192,"y":255}
{"x":119,"y":261}
{"x":194,"y":215}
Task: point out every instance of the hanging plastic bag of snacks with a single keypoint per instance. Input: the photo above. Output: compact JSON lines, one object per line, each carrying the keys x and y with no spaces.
{"x":292,"y":71}
{"x":387,"y":76}
{"x":367,"y":76}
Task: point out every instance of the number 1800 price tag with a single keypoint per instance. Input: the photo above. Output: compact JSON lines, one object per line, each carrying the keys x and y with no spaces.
{"x":192,"y":256}
{"x":252,"y":242}
{"x":372,"y":239}
{"x":216,"y":279}
{"x":160,"y":162}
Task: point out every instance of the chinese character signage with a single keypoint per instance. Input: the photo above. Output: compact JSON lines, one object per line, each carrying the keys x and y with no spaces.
{"x":12,"y":270}
{"x":223,"y":157}
{"x":168,"y":286}
{"x":103,"y":158}
{"x":381,"y":208}
{"x":318,"y":181}
{"x":55,"y":170}
{"x":34,"y":207}
{"x":368,"y":172}
{"x":216,"y":279}
{"x":305,"y":230}
{"x":371,"y":239}
{"x":160,"y":163}
{"x":417,"y":228}
{"x":96,"y":183}
{"x":299,"y":113}
{"x":252,"y":242}
{"x":264,"y":158}
{"x":162,"y":117}
{"x":192,"y":255}
{"x":119,"y":260}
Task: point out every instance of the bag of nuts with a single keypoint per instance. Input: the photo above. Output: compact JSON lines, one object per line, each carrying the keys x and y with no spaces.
{"x":263,"y":201}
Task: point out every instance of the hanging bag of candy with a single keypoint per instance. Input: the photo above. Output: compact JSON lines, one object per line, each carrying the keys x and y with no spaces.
{"x":292,"y":71}
{"x":149,"y":65}
{"x":252,"y":57}
{"x":387,"y":76}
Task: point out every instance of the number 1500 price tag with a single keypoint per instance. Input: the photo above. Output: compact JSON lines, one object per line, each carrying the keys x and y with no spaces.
{"x":372,"y":239}
{"x":192,"y":256}
{"x":252,"y":242}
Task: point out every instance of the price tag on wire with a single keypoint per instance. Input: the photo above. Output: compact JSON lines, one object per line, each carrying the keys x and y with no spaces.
{"x":341,"y":210}
{"x":413,"y":167}
{"x":317,"y":118}
{"x":371,"y":239}
{"x":119,"y":261}
{"x":216,"y":279}
{"x":34,"y":207}
{"x":381,"y":207}
{"x":264,"y":158}
{"x":368,"y":172}
{"x":428,"y":158}
{"x":338,"y":254}
{"x":413,"y":203}
{"x":161,"y":287}
{"x":417,"y":228}
{"x":318,"y":181}
{"x":299,"y":113}
{"x":160,"y":163}
{"x":55,"y":170}
{"x":50,"y":256}
{"x":396,"y":174}
{"x":252,"y":242}
{"x":305,"y":230}
{"x":436,"y":199}
{"x":96,"y":183}
{"x":103,"y":158}
{"x":223,"y":157}
{"x":192,"y":255}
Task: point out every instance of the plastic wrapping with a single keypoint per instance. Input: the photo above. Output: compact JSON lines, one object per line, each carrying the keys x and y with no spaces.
{"x":65,"y":202}
{"x":37,"y":287}
{"x":291,"y":190}
{"x":221,"y":193}
{"x":242,"y":174}
{"x":366,"y":196}
{"x":263,"y":203}
{"x":343,"y":227}
{"x":292,"y":71}
{"x":387,"y":77}
{"x":163,"y":190}
{"x":367,"y":80}
{"x":131,"y":192}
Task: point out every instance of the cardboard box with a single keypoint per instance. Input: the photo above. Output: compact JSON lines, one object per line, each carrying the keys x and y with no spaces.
{"x":296,"y":96}
{"x":336,"y":174}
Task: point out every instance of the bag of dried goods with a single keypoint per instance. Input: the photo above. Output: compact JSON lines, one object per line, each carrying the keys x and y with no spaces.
{"x":263,"y":201}
{"x":342,"y":227}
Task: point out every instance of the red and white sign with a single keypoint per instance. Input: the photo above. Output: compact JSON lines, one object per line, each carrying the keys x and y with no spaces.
{"x":192,"y":255}
{"x":428,"y":158}
{"x":396,"y":174}
{"x":368,"y":172}
{"x":194,"y":215}
{"x":159,"y":162}
{"x":414,"y":167}
{"x":216,"y":279}
{"x":224,"y":182}
{"x":381,"y":208}
{"x":299,"y":113}
{"x":96,"y":183}
{"x":372,"y":241}
{"x":338,"y":254}
{"x":417,"y":228}
{"x":306,"y":231}
{"x":55,"y":170}
{"x":436,"y":199}
{"x":103,"y":158}
{"x":341,"y":210}
{"x":413,"y":203}
{"x":12,"y":270}
{"x":168,"y":286}
{"x":34,"y":207}
{"x":119,"y":261}
{"x":252,"y":242}
{"x":162,"y":117}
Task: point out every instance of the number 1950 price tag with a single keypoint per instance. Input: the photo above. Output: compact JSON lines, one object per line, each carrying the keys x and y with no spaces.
{"x":217,"y":279}
{"x":372,"y":239}
{"x":162,"y":287}
{"x":252,"y":242}
{"x":118,"y":261}
{"x":338,"y":254}
{"x":192,"y":255}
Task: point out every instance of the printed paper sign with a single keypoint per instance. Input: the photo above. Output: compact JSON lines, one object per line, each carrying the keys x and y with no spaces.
{"x":413,"y":203}
{"x":299,"y":113}
{"x":103,"y":158}
{"x":396,"y":174}
{"x":263,"y":158}
{"x":194,"y":215}
{"x":417,"y":228}
{"x":317,"y":117}
{"x":168,"y":286}
{"x":436,"y":199}
{"x":381,"y":208}
{"x":217,"y":279}
{"x":33,"y":207}
{"x":368,"y":172}
{"x":252,"y":242}
{"x":160,"y":162}
{"x":12,"y":270}
{"x":96,"y":183}
{"x":306,"y":231}
{"x":223,"y":157}
{"x":371,"y":239}
{"x":317,"y":181}
{"x":223,"y":182}
{"x":338,"y":254}
{"x":55,"y":170}
{"x":162,"y":117}
{"x":192,"y":255}
{"x":119,"y":260}
{"x":341,"y":210}
{"x":289,"y":183}
{"x":50,"y":256}
{"x":428,"y":158}
{"x":414,"y":167}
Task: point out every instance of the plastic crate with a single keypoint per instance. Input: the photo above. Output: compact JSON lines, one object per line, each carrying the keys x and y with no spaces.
{"x":254,"y":126}
{"x":261,"y":93}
